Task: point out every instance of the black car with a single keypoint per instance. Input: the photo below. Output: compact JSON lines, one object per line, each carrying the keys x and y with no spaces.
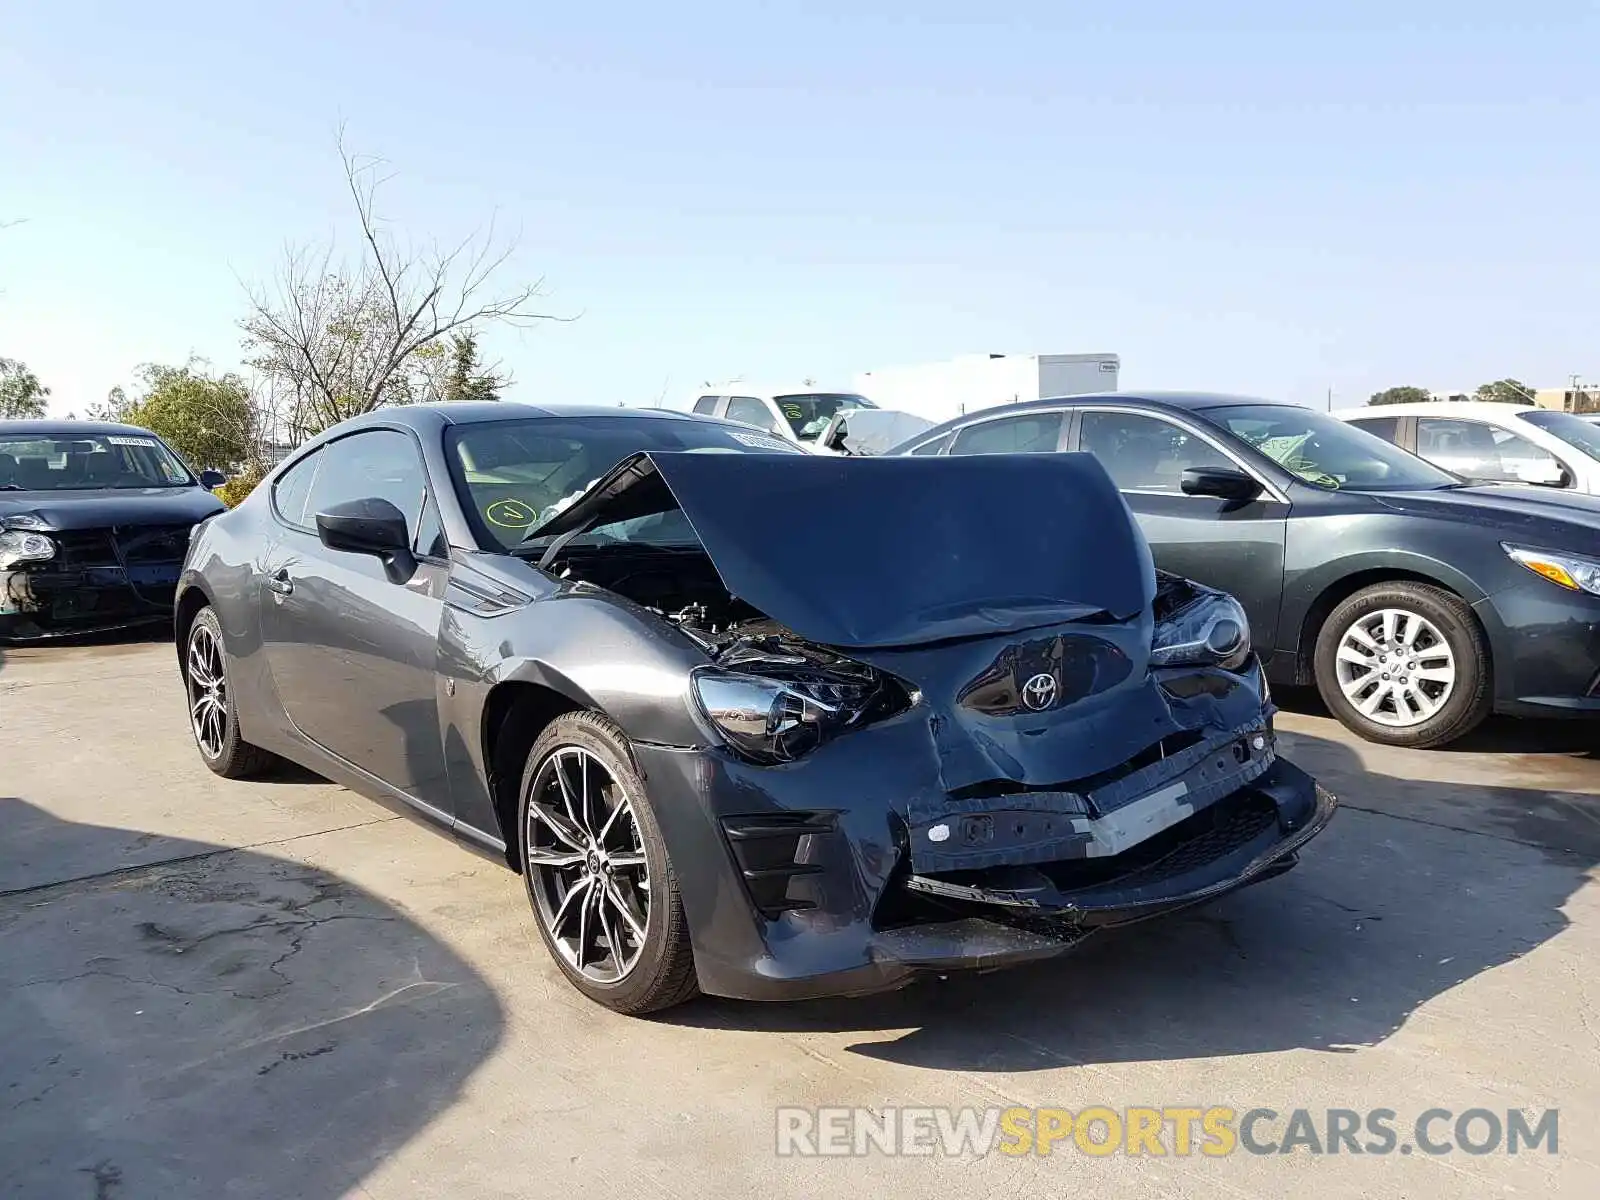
{"x":1417,"y":604}
{"x":748,"y":720}
{"x":94,"y":525}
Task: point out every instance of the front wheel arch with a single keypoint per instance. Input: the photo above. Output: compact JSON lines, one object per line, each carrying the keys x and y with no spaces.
{"x":514,"y":715}
{"x":1340,"y":590}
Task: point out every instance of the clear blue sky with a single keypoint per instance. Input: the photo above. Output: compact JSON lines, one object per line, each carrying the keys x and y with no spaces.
{"x":1271,"y":198}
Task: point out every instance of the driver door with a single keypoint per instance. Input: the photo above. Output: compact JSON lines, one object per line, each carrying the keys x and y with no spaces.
{"x":1228,"y":544}
{"x":352,"y":652}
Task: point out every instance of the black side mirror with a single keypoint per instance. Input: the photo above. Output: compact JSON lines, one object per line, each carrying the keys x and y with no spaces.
{"x":212,"y":480}
{"x":1222,"y":482}
{"x":370,"y":526}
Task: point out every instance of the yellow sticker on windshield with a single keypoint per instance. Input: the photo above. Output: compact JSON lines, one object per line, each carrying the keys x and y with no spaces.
{"x":510,"y":514}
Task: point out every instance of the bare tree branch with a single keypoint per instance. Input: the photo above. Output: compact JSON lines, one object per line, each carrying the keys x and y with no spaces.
{"x":334,"y":339}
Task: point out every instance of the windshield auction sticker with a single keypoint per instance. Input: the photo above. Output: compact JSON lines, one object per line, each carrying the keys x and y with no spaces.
{"x":510,"y":514}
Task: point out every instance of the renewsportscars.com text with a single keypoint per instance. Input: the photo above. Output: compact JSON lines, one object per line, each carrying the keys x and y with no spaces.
{"x":1176,"y":1131}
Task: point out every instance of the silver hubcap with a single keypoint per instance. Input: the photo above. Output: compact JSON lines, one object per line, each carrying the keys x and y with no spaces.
{"x":1395,"y":667}
{"x":586,"y":865}
{"x":208,"y":692}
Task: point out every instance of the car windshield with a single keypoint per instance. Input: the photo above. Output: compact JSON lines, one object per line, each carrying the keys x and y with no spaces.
{"x":58,"y":462}
{"x":1325,"y":452}
{"x":514,"y":475}
{"x":808,"y":413}
{"x":1575,"y":431}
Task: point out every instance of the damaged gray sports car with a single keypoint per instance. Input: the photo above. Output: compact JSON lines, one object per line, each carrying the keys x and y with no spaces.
{"x":751,"y":722}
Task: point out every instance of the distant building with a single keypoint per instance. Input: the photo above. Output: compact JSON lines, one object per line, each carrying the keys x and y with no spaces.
{"x":1580,"y":399}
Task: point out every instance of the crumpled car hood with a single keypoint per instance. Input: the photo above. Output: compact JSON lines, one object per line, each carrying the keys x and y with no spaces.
{"x":900,"y":551}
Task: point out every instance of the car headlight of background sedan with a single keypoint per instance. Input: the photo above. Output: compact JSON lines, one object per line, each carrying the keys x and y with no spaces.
{"x":771,"y":721}
{"x":22,"y":546}
{"x":1211,"y":631}
{"x":1567,"y":570}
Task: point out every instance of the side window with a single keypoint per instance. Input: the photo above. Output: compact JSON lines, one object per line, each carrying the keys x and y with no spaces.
{"x":752,"y":412}
{"x":1035,"y":433}
{"x":380,"y":463}
{"x":706,"y":405}
{"x":1478,"y":450}
{"x":1146,"y":454}
{"x":293,"y":486}
{"x":932,"y":447}
{"x":1388,"y":428}
{"x":431,"y":541}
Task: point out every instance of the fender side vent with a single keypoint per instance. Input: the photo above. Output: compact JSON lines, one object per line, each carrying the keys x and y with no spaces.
{"x":772,"y":851}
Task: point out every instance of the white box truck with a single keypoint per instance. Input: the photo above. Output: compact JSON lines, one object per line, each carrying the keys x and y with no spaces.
{"x":942,"y":390}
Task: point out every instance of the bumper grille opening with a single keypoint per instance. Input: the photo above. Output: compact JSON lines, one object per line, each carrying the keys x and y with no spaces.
{"x":773,"y":850}
{"x":1210,"y":834}
{"x":84,"y":548}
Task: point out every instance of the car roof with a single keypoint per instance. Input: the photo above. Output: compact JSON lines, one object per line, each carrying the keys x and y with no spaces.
{"x":63,"y":428}
{"x":435,"y":416}
{"x":1153,"y":400}
{"x":1437,"y":408}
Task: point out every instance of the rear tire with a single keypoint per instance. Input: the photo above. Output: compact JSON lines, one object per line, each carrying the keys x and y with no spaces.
{"x":597,"y":871}
{"x":213,"y":717}
{"x":1405,"y":664}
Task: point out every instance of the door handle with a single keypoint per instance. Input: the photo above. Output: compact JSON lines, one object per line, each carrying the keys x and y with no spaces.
{"x":281,"y":583}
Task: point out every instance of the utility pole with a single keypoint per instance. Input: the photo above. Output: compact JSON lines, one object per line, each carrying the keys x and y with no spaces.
{"x":1330,"y":399}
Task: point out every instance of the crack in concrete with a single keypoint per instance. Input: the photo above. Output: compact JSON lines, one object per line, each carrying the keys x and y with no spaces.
{"x":141,"y":868}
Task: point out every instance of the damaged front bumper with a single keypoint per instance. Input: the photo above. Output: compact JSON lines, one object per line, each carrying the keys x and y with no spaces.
{"x":60,"y":599}
{"x":788,"y":901}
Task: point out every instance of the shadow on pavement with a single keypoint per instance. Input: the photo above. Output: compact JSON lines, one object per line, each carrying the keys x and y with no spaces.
{"x":1387,"y":910}
{"x":227,"y":1023}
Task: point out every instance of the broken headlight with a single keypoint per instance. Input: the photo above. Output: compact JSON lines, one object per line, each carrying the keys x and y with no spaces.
{"x":1209,"y":631}
{"x":770,"y":720}
{"x":20,"y":546}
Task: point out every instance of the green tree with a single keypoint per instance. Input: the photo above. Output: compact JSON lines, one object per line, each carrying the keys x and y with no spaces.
{"x":1400,"y":395}
{"x":468,"y":378}
{"x":209,"y":419}
{"x":1505,"y":391}
{"x":21,"y":393}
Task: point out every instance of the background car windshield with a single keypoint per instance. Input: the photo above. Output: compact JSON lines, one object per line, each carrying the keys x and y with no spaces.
{"x":808,"y":413}
{"x":1575,"y":431}
{"x":1326,"y":452}
{"x":513,"y":475}
{"x":55,"y":463}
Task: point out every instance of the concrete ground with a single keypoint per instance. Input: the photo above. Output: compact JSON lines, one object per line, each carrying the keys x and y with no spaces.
{"x":279,"y":989}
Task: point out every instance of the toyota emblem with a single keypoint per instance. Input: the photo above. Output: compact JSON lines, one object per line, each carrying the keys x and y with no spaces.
{"x":1039,"y":693}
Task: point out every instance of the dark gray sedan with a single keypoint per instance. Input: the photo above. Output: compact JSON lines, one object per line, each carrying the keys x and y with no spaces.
{"x":1417,"y":603}
{"x":748,"y":720}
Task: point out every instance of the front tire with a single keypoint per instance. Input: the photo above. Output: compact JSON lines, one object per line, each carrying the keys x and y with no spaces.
{"x":601,"y":886}
{"x":1404,"y":664}
{"x":213,"y":717}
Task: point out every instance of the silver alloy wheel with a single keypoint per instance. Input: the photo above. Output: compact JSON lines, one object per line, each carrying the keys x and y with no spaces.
{"x":1395,"y":667}
{"x":586,"y":865}
{"x":208,"y":692}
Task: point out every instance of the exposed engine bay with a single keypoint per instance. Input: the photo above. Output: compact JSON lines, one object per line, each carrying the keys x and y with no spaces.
{"x":680,"y":585}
